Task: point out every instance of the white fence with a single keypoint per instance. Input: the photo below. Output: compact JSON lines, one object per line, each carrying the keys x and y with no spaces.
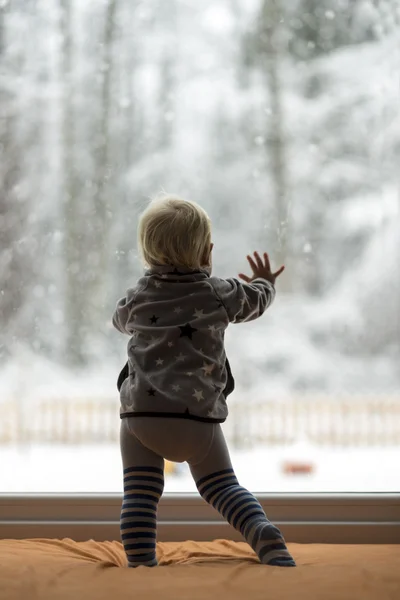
{"x":340,"y":421}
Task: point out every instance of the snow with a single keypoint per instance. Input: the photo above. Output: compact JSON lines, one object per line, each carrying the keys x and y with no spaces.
{"x":97,"y":469}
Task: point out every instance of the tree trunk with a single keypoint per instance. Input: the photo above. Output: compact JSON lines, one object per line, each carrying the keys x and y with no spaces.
{"x":166,"y":16}
{"x":104,"y":175}
{"x":128,"y":147}
{"x":166,"y":101}
{"x":72,"y":255}
{"x":15,"y":268}
{"x":271,"y":49}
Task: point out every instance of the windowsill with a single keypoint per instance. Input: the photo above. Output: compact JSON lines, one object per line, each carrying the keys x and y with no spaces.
{"x":303,"y":518}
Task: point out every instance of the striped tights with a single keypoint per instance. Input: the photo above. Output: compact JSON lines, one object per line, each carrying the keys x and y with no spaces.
{"x":143,"y":487}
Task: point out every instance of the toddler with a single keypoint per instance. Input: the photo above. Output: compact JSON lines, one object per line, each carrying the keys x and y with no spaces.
{"x":173,"y":389}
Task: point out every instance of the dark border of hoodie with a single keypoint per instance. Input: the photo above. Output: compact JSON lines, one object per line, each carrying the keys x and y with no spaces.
{"x":171,"y":415}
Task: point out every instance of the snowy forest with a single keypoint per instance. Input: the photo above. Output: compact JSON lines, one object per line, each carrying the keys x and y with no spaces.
{"x":280,"y":118}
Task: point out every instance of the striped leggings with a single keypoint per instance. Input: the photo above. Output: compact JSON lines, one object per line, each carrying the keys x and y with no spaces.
{"x":144,"y":444}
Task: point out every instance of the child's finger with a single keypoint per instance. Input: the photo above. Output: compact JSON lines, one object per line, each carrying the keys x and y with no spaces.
{"x":244,"y":277}
{"x":258,"y":260}
{"x":252,"y":263}
{"x":279,"y":271}
{"x":266,"y":261}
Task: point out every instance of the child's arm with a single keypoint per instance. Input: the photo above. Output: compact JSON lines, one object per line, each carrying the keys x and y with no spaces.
{"x":248,"y":301}
{"x":123,"y":311}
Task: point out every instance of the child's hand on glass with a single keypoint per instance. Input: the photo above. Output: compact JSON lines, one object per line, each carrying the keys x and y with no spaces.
{"x":261,"y":269}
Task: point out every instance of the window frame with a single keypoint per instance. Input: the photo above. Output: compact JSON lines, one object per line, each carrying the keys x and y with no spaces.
{"x":304,"y":518}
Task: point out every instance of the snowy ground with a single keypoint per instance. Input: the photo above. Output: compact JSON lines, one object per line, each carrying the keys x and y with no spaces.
{"x":97,"y":469}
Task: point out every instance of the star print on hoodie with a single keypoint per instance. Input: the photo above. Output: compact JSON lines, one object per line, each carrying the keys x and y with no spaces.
{"x":176,"y":319}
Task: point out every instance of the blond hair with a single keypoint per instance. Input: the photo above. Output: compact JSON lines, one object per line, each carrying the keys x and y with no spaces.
{"x":173,"y":231}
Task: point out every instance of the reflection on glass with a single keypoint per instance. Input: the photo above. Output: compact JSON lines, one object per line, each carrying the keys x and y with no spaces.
{"x":283,"y":122}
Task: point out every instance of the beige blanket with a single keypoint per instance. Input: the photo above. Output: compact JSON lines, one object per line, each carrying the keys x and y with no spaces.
{"x":220,"y":570}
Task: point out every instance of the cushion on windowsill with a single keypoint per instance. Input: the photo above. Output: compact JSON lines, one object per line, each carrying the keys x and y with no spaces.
{"x":63,"y":569}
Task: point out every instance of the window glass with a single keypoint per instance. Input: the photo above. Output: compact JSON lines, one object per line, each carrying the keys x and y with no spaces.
{"x":282,"y":120}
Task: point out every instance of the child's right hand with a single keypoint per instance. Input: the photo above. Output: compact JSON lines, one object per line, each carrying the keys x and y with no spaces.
{"x":261,"y":269}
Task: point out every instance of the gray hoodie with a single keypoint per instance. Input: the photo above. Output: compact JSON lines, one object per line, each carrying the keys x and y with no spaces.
{"x":176,"y":320}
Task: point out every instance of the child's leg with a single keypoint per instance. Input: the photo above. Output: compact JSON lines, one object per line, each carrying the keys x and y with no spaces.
{"x":218,"y":485}
{"x":143,"y":487}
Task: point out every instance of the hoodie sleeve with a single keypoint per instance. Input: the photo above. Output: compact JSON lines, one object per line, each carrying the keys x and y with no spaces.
{"x":123,"y":311}
{"x":244,"y":301}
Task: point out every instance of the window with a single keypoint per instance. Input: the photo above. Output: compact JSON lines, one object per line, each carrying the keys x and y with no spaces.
{"x":283,"y":122}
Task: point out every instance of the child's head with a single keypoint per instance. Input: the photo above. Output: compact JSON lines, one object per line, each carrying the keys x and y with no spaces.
{"x":175,"y":232}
